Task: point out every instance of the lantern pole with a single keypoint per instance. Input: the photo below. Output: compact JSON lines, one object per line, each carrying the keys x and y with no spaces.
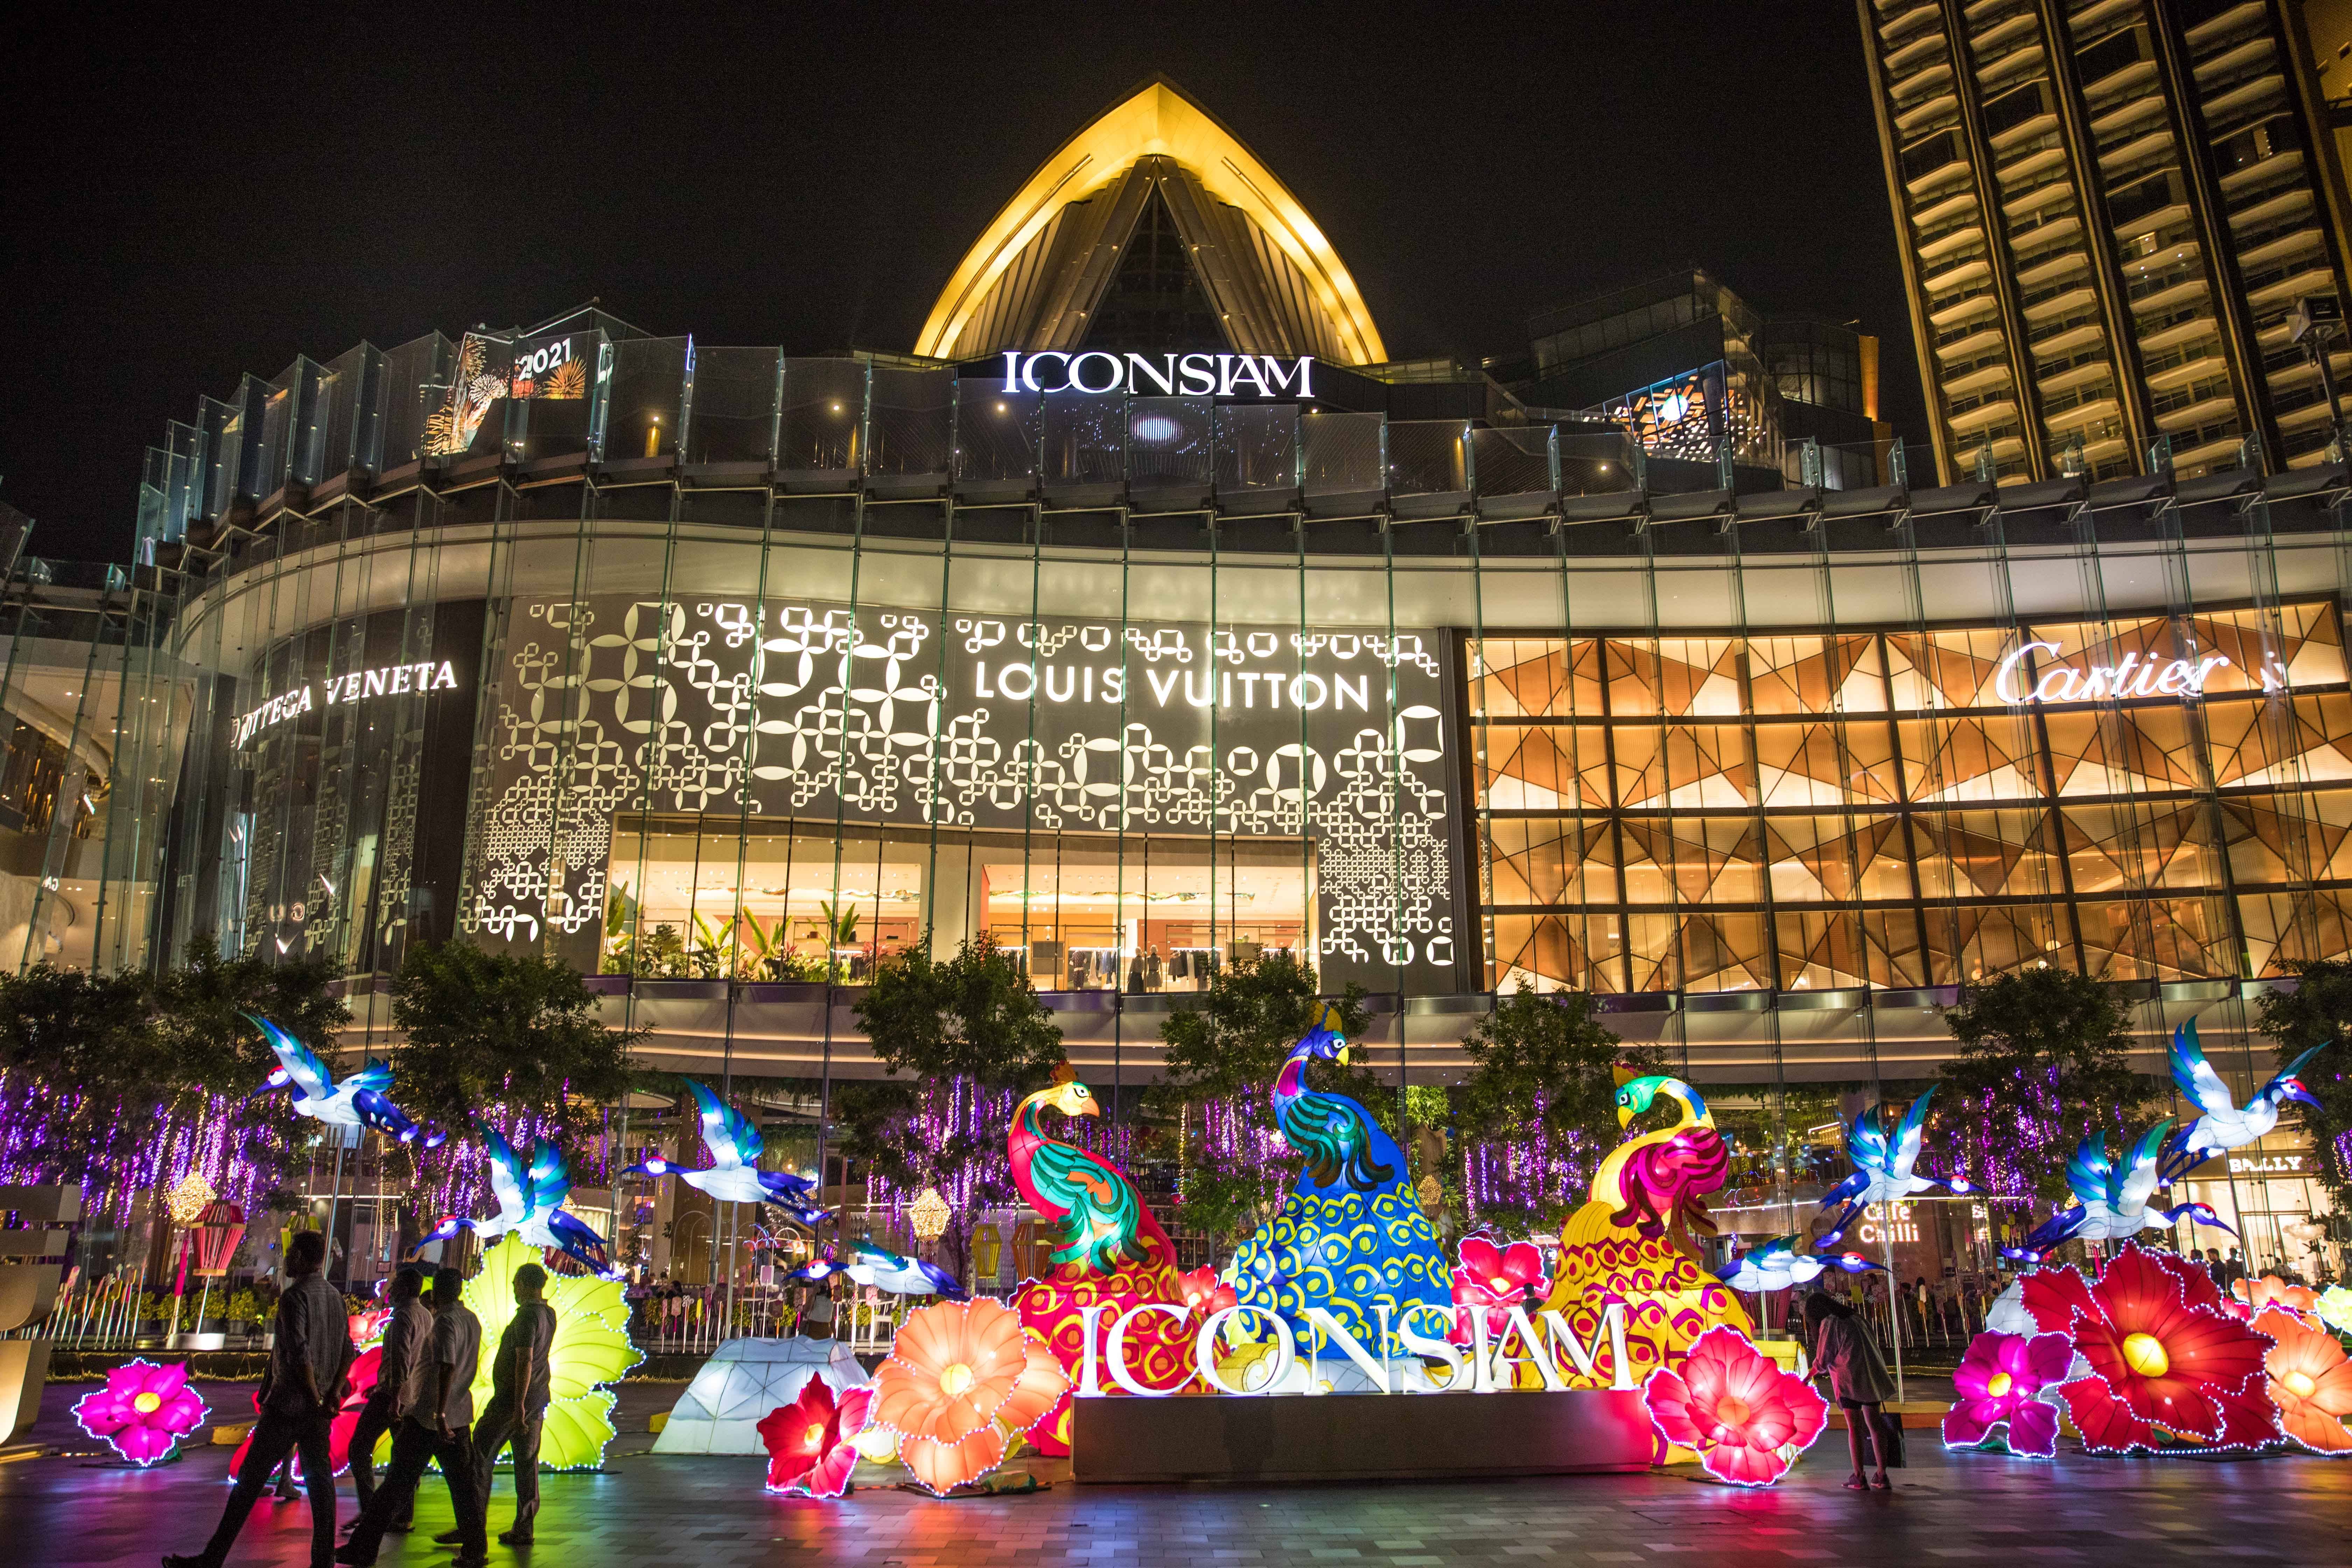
{"x":179,"y":1288}
{"x":1894,"y":1290}
{"x":334,"y":1202}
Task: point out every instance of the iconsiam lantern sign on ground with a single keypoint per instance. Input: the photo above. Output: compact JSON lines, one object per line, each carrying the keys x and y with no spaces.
{"x":1343,"y":1298}
{"x":1335,"y":1343}
{"x":1394,"y":1364}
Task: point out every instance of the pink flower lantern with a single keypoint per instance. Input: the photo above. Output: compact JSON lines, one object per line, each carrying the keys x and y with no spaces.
{"x":144,"y":1411}
{"x":1731,"y":1404}
{"x":1999,"y":1381}
{"x":1493,"y":1280}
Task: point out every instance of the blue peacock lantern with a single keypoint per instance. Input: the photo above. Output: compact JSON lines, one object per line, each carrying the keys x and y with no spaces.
{"x":1352,"y":1236}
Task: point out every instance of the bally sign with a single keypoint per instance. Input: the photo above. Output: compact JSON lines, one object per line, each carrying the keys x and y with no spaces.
{"x":1163,"y":376}
{"x":357,"y":685}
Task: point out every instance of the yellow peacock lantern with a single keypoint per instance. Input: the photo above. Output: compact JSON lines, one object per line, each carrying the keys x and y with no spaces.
{"x":1632,"y":1242}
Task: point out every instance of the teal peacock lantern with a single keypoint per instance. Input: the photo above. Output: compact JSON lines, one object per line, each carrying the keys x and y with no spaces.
{"x":1351,"y":1238}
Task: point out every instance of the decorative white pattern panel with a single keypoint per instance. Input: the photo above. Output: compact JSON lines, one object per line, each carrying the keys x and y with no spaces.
{"x":796,"y":710}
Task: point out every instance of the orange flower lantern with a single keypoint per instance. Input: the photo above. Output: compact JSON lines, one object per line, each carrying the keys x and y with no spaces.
{"x":2310,"y":1382}
{"x":961,"y":1382}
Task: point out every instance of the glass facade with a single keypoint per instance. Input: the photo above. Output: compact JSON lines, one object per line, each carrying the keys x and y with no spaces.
{"x":1865,"y":808}
{"x":869,"y":654}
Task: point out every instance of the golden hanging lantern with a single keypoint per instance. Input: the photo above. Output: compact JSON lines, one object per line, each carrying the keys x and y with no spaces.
{"x":929,"y":1215}
{"x":188,"y":1199}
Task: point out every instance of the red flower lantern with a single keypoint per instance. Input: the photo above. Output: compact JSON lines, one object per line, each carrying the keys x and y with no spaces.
{"x":1203,"y":1295}
{"x":2168,"y":1362}
{"x":340,"y":1431}
{"x":811,"y":1442}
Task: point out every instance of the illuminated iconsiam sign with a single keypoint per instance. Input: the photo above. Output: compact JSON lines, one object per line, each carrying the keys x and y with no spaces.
{"x":1160,"y":375}
{"x":1344,"y":1293}
{"x":2135,"y":676}
{"x":355,"y":686}
{"x":1549,"y":1349}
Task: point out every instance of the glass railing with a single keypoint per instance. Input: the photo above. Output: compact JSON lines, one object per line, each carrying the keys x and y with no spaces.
{"x":1510,"y":462}
{"x":910,"y":423}
{"x":2149,"y":283}
{"x":735,"y":393}
{"x":1345,"y":453}
{"x":841,"y":425}
{"x":1935,"y":270}
{"x":1937,"y":305}
{"x":2188,"y":396}
{"x":1983,"y":322}
{"x":2040,"y":331}
{"x":1428,"y":456}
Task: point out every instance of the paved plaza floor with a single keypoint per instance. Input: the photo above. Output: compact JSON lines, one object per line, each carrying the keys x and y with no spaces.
{"x":649,"y":1512}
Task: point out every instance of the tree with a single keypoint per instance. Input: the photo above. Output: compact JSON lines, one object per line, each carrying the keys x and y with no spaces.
{"x":1218,"y":1079}
{"x":2317,"y":1016}
{"x":125,"y":1081}
{"x":2041,"y":1063}
{"x":510,"y":1036}
{"x":204,"y":1023}
{"x":83,"y":1074}
{"x":205,"y":1010}
{"x":973,"y":1035}
{"x":1539,"y":1108}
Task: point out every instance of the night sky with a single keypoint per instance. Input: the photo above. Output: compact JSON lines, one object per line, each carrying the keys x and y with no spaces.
{"x":197,"y":194}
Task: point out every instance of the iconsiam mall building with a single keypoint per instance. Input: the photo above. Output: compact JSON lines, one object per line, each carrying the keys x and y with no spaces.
{"x":1146,"y":615}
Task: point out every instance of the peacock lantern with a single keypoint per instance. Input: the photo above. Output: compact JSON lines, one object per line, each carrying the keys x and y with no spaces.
{"x":1635,"y":1240}
{"x":1111,"y":1252}
{"x":1352,"y":1236}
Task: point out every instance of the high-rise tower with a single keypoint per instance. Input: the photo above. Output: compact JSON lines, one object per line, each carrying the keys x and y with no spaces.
{"x":2107,"y":210}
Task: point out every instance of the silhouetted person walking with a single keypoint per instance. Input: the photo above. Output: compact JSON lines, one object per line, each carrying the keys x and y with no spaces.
{"x":309,"y":1364}
{"x":519,"y":1389}
{"x":436,"y":1417}
{"x":407,"y":1335}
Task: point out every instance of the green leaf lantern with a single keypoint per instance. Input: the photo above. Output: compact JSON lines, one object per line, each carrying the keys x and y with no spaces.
{"x":592,"y":1348}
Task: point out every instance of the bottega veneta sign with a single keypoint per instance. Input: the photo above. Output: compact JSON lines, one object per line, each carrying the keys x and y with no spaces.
{"x":356,"y":685}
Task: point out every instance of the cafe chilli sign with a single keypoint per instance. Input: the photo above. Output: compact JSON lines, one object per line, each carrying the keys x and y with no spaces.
{"x":357,"y":685}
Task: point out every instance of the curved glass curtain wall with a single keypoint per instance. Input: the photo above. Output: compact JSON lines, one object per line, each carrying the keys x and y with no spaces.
{"x":1703,"y":761}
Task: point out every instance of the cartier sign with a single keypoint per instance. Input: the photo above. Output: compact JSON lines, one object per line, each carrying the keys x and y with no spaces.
{"x":2134,"y":677}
